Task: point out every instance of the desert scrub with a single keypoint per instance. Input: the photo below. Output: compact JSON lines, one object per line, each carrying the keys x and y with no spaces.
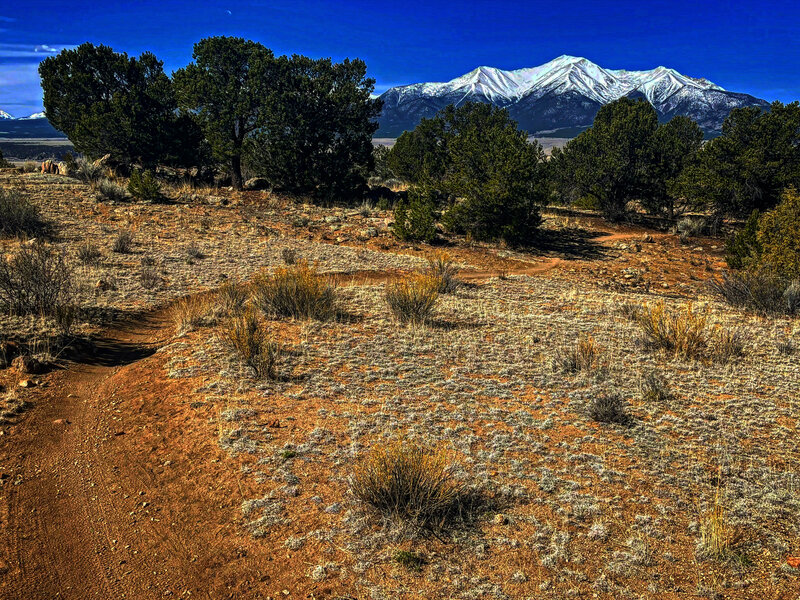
{"x":87,"y":171}
{"x":609,"y":408}
{"x":443,"y":269}
{"x":123,"y":243}
{"x":149,"y":277}
{"x":18,"y":216}
{"x":37,"y":280}
{"x":759,"y":290}
{"x":110,"y":191}
{"x":144,"y":186}
{"x":231,"y":298}
{"x":191,"y":312}
{"x":583,"y":356}
{"x":88,"y":254}
{"x":412,"y":300}
{"x":406,"y":481}
{"x":683,"y":334}
{"x":253,"y":344}
{"x":297,"y":291}
{"x":409,"y":560}
{"x":654,"y":388}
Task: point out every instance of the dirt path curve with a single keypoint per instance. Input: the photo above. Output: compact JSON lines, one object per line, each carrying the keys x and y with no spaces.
{"x":90,"y":506}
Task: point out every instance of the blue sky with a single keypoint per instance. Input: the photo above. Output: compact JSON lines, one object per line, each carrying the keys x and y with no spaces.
{"x":751,"y":47}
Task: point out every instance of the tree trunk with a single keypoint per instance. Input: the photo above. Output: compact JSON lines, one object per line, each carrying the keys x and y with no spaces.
{"x":236,"y":172}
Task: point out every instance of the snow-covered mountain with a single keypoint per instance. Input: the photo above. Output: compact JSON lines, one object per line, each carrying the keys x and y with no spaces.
{"x":33,"y":117}
{"x":564,"y":93}
{"x":4,"y":116}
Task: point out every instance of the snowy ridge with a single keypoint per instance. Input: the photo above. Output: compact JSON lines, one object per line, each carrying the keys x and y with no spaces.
{"x":38,"y":115}
{"x":565,"y":73}
{"x":5,"y":116}
{"x":564,"y":93}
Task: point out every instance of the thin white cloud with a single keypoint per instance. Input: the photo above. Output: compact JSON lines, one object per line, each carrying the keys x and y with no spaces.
{"x":30,"y":51}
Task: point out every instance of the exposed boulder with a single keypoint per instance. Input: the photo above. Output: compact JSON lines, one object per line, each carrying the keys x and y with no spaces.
{"x":50,"y":167}
{"x":257,"y":183}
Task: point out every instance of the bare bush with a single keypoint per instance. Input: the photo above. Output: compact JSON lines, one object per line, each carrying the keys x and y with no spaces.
{"x":110,"y":191}
{"x":36,"y":280}
{"x":254,"y":346}
{"x":19,"y":216}
{"x":444,"y":270}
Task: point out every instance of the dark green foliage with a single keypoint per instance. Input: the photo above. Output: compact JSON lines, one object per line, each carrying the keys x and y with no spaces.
{"x":415,"y":218}
{"x":381,"y":168}
{"x":495,"y":173}
{"x":37,"y":280}
{"x":612,"y":160}
{"x":409,"y":560}
{"x":420,"y":156}
{"x":476,"y":154}
{"x":743,"y":247}
{"x":4,"y":164}
{"x":144,"y":186}
{"x":673,"y":146}
{"x":18,"y":216}
{"x":226,"y":91}
{"x":315,"y":136}
{"x":750,"y":164}
{"x":108,"y":103}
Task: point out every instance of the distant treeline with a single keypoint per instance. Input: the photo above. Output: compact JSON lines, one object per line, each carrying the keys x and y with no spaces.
{"x":470,"y":169}
{"x":305,"y":125}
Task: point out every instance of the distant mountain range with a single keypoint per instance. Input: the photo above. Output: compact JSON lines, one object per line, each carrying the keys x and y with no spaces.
{"x":32,"y":126}
{"x":561,"y":97}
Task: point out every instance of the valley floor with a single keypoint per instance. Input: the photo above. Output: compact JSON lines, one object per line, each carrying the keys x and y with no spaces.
{"x":150,"y":464}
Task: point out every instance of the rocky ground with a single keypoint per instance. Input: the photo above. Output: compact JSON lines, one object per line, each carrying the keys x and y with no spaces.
{"x":156,"y":442}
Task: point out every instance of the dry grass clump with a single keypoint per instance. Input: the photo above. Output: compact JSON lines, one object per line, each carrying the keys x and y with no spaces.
{"x":123,"y":243}
{"x":584,"y":356}
{"x":87,"y":171}
{"x":442,"y":268}
{"x":683,"y":334}
{"x":253,"y":344}
{"x":296,"y":291}
{"x":714,"y":530}
{"x":149,"y":276}
{"x":412,"y":300}
{"x":654,"y":388}
{"x":36,"y":280}
{"x":405,"y":481}
{"x":609,"y":408}
{"x":191,"y":312}
{"x":89,"y":254}
{"x":231,"y":298}
{"x":727,"y":346}
{"x":18,"y":216}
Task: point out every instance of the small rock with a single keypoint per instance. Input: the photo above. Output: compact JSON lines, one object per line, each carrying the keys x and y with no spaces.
{"x":332,"y":219}
{"x":647,"y":238}
{"x":26,"y":383}
{"x":28,"y":365}
{"x":500,"y":519}
{"x":256,"y":183}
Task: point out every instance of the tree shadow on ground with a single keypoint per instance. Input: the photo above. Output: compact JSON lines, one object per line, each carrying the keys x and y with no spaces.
{"x":570,"y":244}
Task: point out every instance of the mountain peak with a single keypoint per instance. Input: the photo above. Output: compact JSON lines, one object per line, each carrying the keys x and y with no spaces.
{"x":4,"y":115}
{"x":566,"y":84}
